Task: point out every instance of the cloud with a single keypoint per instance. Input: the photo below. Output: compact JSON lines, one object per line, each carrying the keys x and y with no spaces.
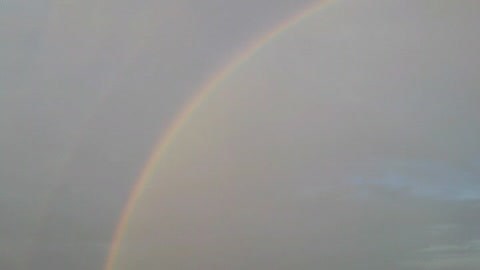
{"x":439,"y":257}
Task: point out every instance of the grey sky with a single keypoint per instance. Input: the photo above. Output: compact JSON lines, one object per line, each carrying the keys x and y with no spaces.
{"x":349,"y":142}
{"x":87,"y":87}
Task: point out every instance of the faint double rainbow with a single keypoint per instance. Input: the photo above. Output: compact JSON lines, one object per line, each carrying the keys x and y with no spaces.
{"x":182,"y":118}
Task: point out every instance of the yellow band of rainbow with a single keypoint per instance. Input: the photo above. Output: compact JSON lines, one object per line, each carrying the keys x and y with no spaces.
{"x":182,"y":118}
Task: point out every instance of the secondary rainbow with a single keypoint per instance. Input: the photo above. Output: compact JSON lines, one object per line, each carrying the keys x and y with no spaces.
{"x":182,"y":118}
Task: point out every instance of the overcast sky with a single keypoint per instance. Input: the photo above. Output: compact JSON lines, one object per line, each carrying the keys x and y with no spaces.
{"x":350,"y":141}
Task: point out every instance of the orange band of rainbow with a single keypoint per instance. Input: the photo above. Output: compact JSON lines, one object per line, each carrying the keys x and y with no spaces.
{"x":182,"y":118}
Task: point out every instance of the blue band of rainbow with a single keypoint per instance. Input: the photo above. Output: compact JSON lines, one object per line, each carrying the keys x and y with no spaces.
{"x":189,"y":109}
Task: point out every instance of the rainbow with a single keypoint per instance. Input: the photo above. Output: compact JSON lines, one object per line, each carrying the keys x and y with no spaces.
{"x":189,"y":109}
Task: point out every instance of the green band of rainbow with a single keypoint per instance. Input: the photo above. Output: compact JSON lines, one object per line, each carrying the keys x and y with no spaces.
{"x":182,"y":118}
